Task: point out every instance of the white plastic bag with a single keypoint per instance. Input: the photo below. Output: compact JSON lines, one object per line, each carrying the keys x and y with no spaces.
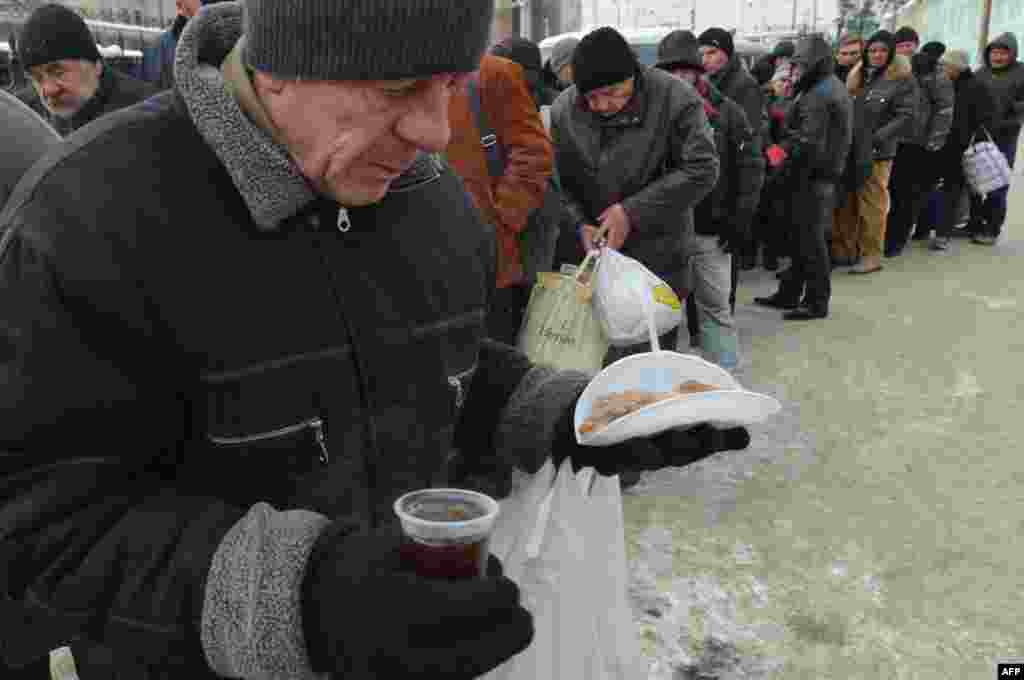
{"x":622,"y":287}
{"x":558,"y":527}
{"x":985,"y":166}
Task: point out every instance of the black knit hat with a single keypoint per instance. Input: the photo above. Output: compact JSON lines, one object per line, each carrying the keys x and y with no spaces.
{"x":520,"y":50}
{"x":601,"y":59}
{"x":934,"y":48}
{"x":54,"y":32}
{"x":906,"y":34}
{"x":717,"y":37}
{"x":365,"y":39}
{"x":679,"y":49}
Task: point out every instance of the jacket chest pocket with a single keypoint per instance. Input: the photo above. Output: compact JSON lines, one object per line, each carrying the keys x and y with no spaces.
{"x":267,"y":427}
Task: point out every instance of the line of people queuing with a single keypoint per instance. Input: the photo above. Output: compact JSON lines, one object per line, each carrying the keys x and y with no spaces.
{"x":832,"y":159}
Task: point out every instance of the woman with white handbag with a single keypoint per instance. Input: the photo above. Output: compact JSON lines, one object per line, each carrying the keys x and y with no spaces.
{"x":973,"y":114}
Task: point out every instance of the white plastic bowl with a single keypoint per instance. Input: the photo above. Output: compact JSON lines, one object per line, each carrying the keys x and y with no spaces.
{"x":661,"y":371}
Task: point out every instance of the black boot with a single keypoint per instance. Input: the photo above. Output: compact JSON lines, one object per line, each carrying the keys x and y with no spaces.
{"x":806,"y":312}
{"x":778,"y":301}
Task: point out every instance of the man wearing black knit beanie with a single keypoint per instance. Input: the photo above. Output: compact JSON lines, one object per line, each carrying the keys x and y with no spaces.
{"x":240,"y":320}
{"x":657,"y":158}
{"x":70,"y":85}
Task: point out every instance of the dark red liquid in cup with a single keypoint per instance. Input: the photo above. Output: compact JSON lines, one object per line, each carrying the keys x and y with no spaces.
{"x":458,"y":558}
{"x":452,"y":561}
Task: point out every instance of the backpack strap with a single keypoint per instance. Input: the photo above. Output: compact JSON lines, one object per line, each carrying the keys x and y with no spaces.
{"x":488,"y":138}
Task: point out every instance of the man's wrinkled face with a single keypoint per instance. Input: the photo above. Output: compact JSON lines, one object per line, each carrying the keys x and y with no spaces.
{"x":352,"y":139}
{"x":685,"y":74}
{"x":878,"y":54}
{"x":187,"y":8}
{"x":714,"y":58}
{"x":608,"y":101}
{"x":64,"y":86}
{"x":849,"y":54}
{"x":906,"y":48}
{"x":999,"y":57}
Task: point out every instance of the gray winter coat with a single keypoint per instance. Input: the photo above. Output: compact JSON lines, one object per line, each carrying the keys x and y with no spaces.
{"x":890,"y":102}
{"x":1007,"y":87}
{"x":935,"y":105}
{"x":26,"y":139}
{"x":656,"y":157}
{"x":736,"y":83}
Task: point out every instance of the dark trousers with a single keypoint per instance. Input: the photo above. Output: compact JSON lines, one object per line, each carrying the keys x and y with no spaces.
{"x":914,"y":175}
{"x":991,"y":213}
{"x":951,"y":171}
{"x":810,"y":274}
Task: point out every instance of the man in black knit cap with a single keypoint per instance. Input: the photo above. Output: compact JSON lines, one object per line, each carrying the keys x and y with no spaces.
{"x":71,"y":86}
{"x":241,"y":319}
{"x":655,"y":156}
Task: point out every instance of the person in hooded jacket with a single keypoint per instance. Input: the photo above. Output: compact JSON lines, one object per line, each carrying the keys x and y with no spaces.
{"x":765,"y":67}
{"x":915,"y":169}
{"x":558,"y":67}
{"x":816,"y":140}
{"x":1003,"y":73}
{"x":241,"y":319}
{"x":975,"y":112}
{"x":883,"y":85}
{"x":722,"y":219}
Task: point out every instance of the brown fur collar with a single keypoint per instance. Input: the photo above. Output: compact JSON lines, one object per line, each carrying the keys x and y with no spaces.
{"x":899,"y":69}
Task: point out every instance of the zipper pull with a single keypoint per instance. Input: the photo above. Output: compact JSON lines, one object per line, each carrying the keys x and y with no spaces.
{"x":457,"y":384}
{"x":344,"y":223}
{"x":318,"y":433}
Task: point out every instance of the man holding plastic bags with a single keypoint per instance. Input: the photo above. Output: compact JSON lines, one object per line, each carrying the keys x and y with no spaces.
{"x":635,"y":154}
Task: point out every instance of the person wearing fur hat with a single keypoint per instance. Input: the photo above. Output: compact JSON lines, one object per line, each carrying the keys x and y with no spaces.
{"x":239,"y":321}
{"x":915,"y":168}
{"x":883,"y":87}
{"x":70,"y":84}
{"x":654,"y":151}
{"x":722,"y":219}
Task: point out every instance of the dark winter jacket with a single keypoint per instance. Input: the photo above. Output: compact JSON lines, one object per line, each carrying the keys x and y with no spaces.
{"x":819,"y":127}
{"x":116,"y":91}
{"x":736,"y":83}
{"x":158,"y":61}
{"x":656,"y":157}
{"x":935,"y":103}
{"x":201,"y":362}
{"x":975,"y":110}
{"x":728,"y":210}
{"x":26,"y":138}
{"x":890,"y":103}
{"x":1007,"y":87}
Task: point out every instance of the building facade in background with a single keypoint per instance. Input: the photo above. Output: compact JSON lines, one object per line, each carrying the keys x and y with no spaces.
{"x":957,"y":23}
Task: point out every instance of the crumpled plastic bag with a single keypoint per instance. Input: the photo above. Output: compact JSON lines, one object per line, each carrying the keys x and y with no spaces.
{"x":622,"y":288}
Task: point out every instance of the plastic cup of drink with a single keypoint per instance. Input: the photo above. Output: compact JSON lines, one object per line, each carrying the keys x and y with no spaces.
{"x":447,"y":532}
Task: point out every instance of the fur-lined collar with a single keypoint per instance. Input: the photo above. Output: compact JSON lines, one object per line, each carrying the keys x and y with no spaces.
{"x":899,"y":69}
{"x":262,"y":171}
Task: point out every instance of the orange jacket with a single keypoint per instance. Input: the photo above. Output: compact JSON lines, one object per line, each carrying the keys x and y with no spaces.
{"x":508,"y":201}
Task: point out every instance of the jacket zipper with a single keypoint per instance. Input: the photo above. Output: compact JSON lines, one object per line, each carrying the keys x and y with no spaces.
{"x":460,"y":391}
{"x":315,"y":424}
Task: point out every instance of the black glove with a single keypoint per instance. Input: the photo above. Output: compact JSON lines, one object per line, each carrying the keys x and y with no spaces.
{"x":672,"y":448}
{"x":365,"y":616}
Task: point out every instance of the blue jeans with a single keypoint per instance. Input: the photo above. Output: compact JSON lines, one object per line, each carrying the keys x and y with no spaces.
{"x":993,"y":209}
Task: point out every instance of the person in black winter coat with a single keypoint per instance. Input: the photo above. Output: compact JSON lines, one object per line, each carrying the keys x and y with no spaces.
{"x":813,"y":152}
{"x":722,"y":220}
{"x":71,"y":86}
{"x":974,"y":112}
{"x":26,"y":138}
{"x":239,"y":320}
